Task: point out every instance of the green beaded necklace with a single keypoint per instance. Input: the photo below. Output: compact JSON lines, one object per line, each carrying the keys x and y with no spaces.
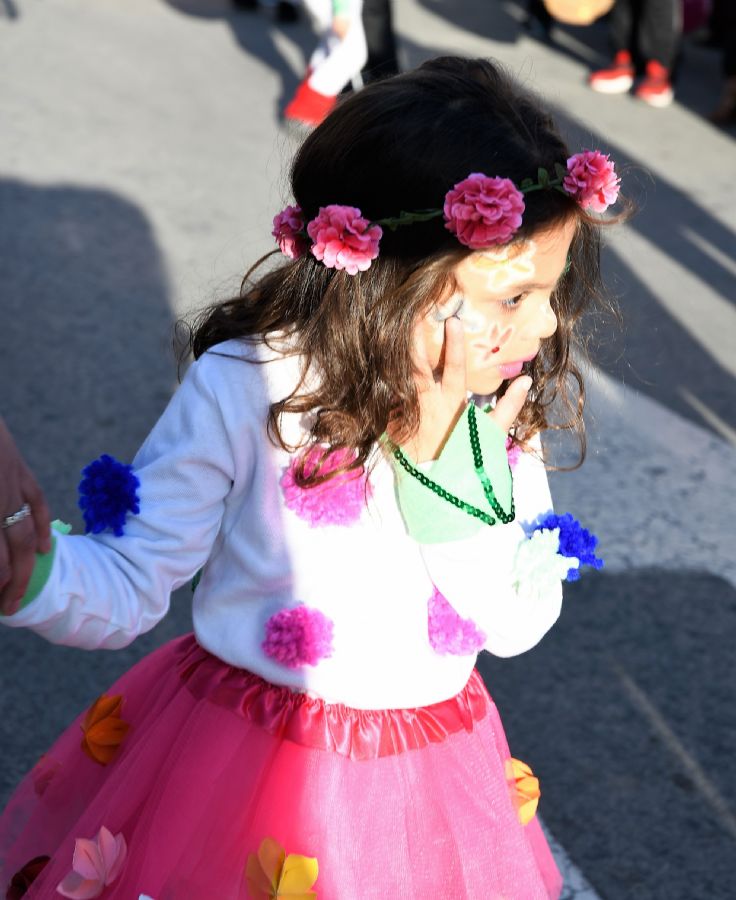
{"x":485,"y":481}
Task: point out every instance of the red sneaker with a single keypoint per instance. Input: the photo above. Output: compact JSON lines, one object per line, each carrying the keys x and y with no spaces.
{"x":655,"y":87}
{"x":309,"y":107}
{"x":617,"y":79}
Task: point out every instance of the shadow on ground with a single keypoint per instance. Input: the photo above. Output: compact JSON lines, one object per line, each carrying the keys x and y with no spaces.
{"x":86,"y":343}
{"x":627,"y":711}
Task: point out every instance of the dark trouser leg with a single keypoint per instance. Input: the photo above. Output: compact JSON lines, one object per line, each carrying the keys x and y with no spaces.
{"x":537,"y":9}
{"x":659,"y":30}
{"x":727,"y":33}
{"x":623,"y":18}
{"x":379,"y":35}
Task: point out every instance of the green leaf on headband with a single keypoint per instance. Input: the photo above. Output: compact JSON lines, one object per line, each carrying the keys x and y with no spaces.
{"x":526,"y":184}
{"x":543,"y":177}
{"x":560,"y":171}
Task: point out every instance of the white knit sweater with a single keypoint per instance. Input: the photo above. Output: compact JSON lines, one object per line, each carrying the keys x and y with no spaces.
{"x":211,"y":498}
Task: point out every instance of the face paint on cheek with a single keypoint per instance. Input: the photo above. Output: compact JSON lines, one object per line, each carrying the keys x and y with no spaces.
{"x":475,"y":320}
{"x":482,"y":351}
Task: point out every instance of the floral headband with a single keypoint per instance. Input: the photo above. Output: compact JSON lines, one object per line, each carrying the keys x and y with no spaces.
{"x":480,"y":211}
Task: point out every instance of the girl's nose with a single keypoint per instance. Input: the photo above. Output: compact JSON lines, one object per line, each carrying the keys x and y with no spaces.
{"x":545,"y":319}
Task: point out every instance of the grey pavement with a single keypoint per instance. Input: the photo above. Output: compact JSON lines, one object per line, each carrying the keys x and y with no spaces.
{"x":141,"y":162}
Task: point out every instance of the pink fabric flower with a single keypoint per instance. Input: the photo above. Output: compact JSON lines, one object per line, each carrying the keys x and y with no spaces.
{"x":298,"y":637}
{"x":483,"y":211}
{"x":97,"y":863}
{"x":338,"y":501}
{"x":513,"y":452}
{"x":287,"y":226}
{"x":448,"y":632}
{"x":592,"y":180}
{"x":343,"y":239}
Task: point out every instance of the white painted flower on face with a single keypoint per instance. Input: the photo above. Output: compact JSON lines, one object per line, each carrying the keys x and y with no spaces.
{"x":504,"y":265}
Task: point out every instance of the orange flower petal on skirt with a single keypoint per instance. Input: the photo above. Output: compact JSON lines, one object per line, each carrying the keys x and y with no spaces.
{"x":103,"y":729}
{"x":525,"y":791}
{"x":272,"y":875}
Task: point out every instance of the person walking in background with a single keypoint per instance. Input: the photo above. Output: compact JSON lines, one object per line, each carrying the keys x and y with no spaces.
{"x":340,"y":55}
{"x":645,"y":35}
{"x":380,"y":38}
{"x":723,"y":30}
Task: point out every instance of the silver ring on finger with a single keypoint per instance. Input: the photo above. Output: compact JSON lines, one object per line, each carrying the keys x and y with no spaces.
{"x":16,"y":517}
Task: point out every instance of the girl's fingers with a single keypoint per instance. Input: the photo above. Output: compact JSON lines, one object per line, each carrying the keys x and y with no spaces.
{"x":454,"y":376}
{"x":509,"y":406}
{"x":421,"y":358}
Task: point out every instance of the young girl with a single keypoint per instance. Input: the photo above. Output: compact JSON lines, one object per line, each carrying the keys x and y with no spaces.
{"x":334,"y":470}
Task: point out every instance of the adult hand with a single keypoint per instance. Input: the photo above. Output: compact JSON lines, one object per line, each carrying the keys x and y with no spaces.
{"x":20,"y":541}
{"x":443,"y":393}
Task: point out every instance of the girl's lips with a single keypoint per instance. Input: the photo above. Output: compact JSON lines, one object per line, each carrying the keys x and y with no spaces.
{"x":512,"y":369}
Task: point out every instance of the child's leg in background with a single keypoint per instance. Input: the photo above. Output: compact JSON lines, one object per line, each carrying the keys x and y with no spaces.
{"x":659,"y":31}
{"x":622,"y":23}
{"x":336,"y":62}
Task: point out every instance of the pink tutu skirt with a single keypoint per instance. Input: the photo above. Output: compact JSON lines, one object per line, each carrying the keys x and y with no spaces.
{"x":204,"y":782}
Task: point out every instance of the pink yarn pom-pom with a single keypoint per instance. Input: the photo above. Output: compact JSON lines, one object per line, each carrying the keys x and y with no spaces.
{"x":482,"y":211}
{"x":343,"y":239}
{"x":448,"y":632}
{"x":592,"y":180}
{"x":513,"y":452}
{"x":298,"y":637}
{"x":337,"y":501}
{"x":288,"y":228}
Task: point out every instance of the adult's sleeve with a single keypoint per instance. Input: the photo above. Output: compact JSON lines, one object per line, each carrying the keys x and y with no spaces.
{"x":102,"y":590}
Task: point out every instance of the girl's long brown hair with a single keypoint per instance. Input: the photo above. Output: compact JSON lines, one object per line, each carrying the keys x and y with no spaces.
{"x":400,"y":144}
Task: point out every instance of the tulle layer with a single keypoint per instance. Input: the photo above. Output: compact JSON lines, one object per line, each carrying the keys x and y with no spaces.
{"x":391,"y":803}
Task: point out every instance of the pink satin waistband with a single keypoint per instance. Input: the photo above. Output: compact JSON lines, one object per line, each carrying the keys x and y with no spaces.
{"x":356,"y":733}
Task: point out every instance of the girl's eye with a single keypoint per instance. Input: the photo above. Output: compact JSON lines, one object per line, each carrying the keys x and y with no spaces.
{"x":512,"y":302}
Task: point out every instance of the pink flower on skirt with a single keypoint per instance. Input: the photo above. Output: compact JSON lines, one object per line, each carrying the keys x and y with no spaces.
{"x":288,"y":228}
{"x":337,"y":501}
{"x":449,"y":632}
{"x":483,"y":211}
{"x":343,"y":239}
{"x":592,"y":180}
{"x":96,"y":864}
{"x":298,"y":637}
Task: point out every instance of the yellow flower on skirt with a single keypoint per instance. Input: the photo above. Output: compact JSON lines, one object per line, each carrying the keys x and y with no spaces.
{"x":272,"y":875}
{"x":525,"y":791}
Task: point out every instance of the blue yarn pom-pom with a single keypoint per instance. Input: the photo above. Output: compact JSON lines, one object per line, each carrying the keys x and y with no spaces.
{"x":107,"y":493}
{"x":574,"y":541}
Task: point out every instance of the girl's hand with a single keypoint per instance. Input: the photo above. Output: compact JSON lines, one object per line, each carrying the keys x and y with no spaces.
{"x":19,"y":542}
{"x":443,"y":393}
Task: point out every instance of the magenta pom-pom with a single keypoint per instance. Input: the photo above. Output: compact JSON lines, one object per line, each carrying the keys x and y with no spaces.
{"x":449,"y":632}
{"x":338,"y":501}
{"x":298,"y":637}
